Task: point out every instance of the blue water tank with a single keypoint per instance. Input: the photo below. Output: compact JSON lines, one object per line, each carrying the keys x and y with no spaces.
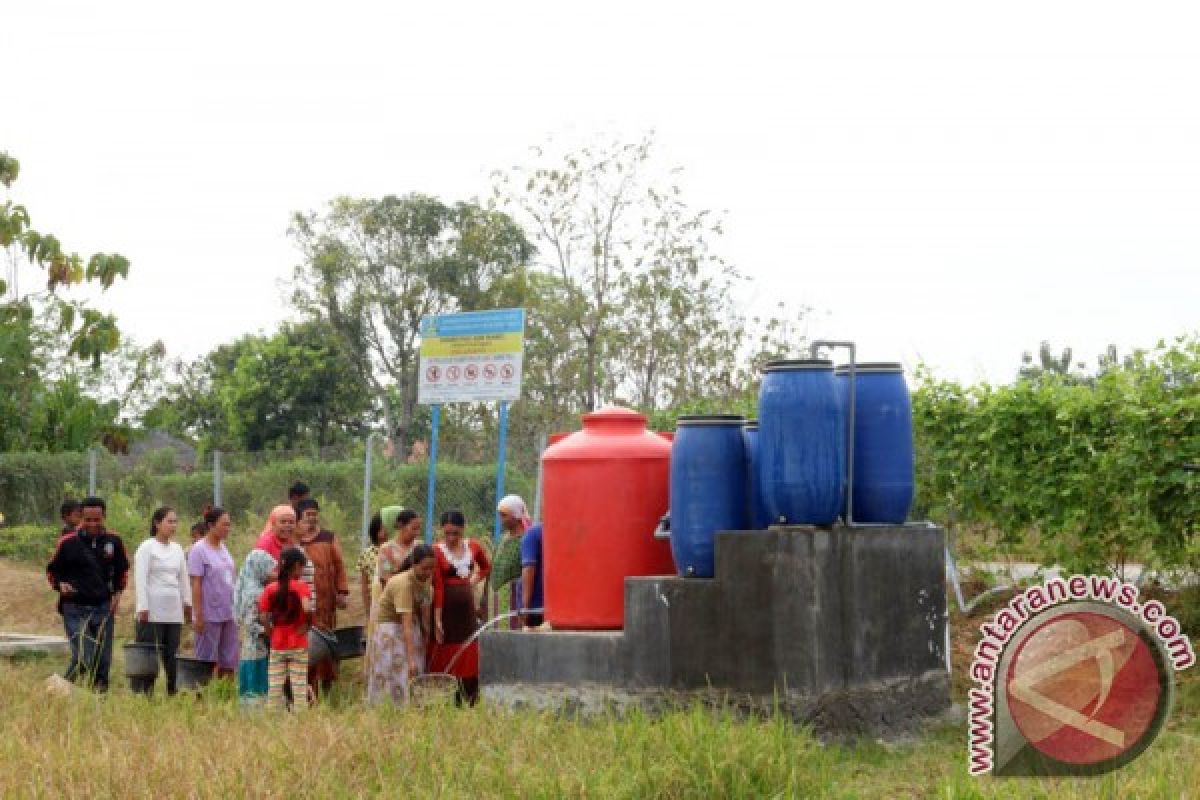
{"x":883,"y":441}
{"x":708,"y":488}
{"x":756,"y":513}
{"x":801,"y":443}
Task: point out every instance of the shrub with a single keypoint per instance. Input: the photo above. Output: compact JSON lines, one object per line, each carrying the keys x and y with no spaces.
{"x":1092,"y":467}
{"x":33,"y":543}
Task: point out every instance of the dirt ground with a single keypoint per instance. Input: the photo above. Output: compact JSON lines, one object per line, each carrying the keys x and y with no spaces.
{"x":26,"y":601}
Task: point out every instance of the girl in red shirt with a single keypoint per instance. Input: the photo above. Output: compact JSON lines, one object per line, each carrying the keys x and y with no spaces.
{"x":286,"y":607}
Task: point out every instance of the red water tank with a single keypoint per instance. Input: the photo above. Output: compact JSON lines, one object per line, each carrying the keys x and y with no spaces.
{"x":604,"y":489}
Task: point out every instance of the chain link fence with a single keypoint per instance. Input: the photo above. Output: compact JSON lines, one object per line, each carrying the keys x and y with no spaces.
{"x":249,"y":484}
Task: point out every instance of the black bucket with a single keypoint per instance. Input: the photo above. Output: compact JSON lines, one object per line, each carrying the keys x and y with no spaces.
{"x":141,"y":660}
{"x":351,"y":642}
{"x":194,"y":673}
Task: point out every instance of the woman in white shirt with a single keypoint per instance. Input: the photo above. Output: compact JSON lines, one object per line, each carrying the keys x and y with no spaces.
{"x":164,"y":594}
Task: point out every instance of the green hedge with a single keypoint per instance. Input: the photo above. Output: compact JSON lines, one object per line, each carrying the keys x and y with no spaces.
{"x":1087,"y":472}
{"x":33,"y":485}
{"x":470,"y":488}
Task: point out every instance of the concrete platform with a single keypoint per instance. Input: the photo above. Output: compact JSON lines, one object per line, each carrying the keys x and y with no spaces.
{"x":844,"y":629}
{"x":12,"y":644}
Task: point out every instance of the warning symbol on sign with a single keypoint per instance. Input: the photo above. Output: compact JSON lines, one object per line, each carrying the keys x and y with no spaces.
{"x":433,"y":374}
{"x":489,"y":372}
{"x":452,"y":373}
{"x":506,"y":372}
{"x":472,"y":372}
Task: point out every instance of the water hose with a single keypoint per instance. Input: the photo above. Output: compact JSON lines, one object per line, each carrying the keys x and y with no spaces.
{"x":445,"y":675}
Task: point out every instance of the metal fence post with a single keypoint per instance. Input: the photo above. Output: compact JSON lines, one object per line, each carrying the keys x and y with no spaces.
{"x":91,"y":472}
{"x":366,"y":507}
{"x":216,"y":477}
{"x":500,"y":466}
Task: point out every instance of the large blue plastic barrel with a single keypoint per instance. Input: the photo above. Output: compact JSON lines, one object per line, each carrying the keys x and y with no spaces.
{"x":883,"y":441}
{"x":756,"y":514}
{"x":708,"y":488}
{"x":801,"y":443}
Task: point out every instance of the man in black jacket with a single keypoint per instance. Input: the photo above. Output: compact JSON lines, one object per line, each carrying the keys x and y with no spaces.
{"x":90,"y":570}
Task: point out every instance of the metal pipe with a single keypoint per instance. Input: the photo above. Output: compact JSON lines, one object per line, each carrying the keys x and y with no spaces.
{"x":814,"y":349}
{"x":367,"y":469}
{"x":216,"y":477}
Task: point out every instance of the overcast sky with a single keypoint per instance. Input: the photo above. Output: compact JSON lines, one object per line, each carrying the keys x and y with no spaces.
{"x":946,"y":181}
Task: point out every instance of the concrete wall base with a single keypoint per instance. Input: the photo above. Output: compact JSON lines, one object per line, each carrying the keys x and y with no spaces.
{"x":848,"y":624}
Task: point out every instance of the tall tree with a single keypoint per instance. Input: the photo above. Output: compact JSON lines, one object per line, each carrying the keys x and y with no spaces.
{"x":373,"y":268}
{"x":90,"y":333}
{"x":681,"y":335}
{"x":637,"y":279}
{"x":41,"y":327}
{"x":65,"y":418}
{"x":583,"y":212}
{"x":292,"y":389}
{"x":191,"y":403}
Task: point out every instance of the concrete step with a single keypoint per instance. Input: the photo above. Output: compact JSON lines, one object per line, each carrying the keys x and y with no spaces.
{"x":12,"y":644}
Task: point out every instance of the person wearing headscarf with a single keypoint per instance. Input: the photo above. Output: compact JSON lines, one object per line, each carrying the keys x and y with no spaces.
{"x":513,"y":507}
{"x":259,"y":569}
{"x":272,"y":541}
{"x":379,"y":531}
{"x":507,"y":563}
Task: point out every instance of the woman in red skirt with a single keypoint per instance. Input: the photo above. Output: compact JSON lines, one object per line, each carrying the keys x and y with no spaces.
{"x":461,"y":564}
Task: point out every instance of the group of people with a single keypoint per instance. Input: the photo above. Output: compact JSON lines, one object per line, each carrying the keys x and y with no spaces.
{"x":423,"y":603}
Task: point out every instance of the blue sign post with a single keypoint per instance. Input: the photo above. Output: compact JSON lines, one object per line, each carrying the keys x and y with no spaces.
{"x":434,"y":423}
{"x":500,"y":463}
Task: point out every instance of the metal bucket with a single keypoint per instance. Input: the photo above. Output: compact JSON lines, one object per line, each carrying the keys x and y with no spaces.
{"x":141,"y":660}
{"x":322,"y":645}
{"x":351,"y":642}
{"x":193,"y":673}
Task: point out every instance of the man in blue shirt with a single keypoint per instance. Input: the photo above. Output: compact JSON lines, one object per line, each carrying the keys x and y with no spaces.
{"x":531,"y":576}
